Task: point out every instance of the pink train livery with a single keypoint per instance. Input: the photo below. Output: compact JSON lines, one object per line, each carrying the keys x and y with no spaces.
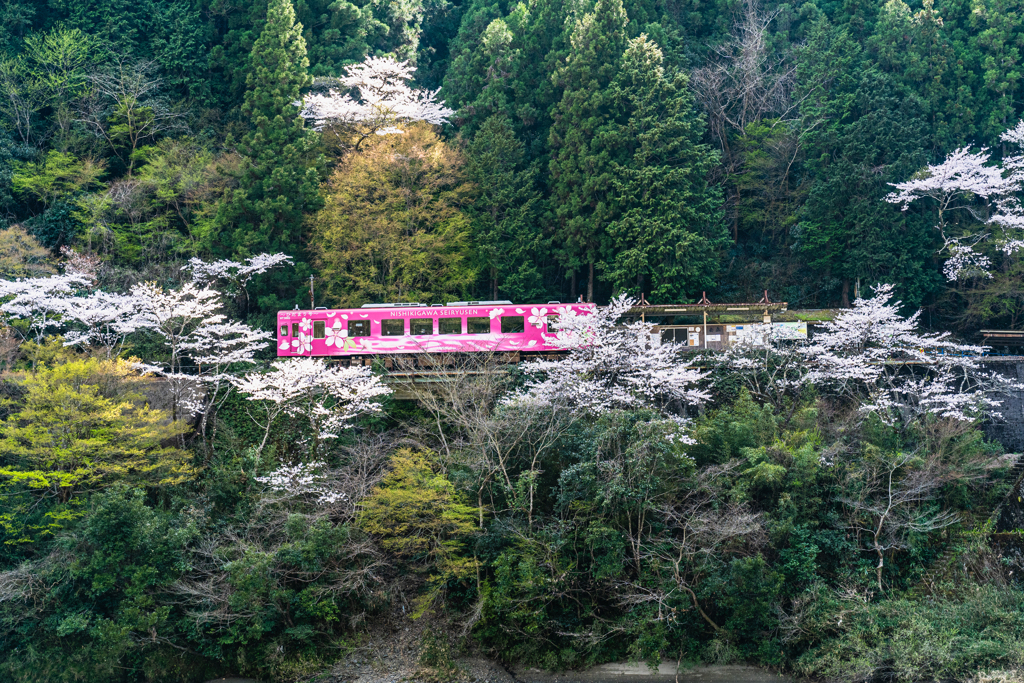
{"x":459,"y":326}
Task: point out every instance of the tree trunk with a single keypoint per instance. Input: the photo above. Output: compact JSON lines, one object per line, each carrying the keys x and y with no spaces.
{"x":844,"y":301}
{"x":736,"y":218}
{"x":590,"y":285}
{"x":572,"y":286}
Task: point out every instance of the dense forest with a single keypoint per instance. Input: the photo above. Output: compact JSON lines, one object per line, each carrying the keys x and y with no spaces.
{"x":664,"y":148}
{"x":176,"y":503}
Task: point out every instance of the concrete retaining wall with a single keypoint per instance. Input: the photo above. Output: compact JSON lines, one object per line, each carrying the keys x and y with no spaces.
{"x":1009,"y":430}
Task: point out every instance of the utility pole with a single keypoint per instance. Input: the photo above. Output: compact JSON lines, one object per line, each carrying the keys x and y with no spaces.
{"x":312,"y":306}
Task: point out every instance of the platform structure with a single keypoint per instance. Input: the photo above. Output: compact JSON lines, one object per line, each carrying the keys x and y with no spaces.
{"x":702,"y":336}
{"x":1002,"y":337}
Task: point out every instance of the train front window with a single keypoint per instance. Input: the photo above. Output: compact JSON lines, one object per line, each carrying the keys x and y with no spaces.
{"x":478,"y":325}
{"x":284,"y":330}
{"x":295,"y":329}
{"x":318,"y":329}
{"x":359,"y":328}
{"x":451,"y":326}
{"x":421,"y":326}
{"x":393,"y":327}
{"x":512,"y":324}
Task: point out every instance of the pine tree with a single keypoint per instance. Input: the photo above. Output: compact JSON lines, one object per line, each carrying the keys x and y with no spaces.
{"x":582,"y":138}
{"x":281,"y":176}
{"x":668,"y":227}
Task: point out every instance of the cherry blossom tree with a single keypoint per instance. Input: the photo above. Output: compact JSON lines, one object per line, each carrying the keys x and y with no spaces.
{"x":955,"y":186}
{"x":206,"y":353}
{"x":610,"y":366}
{"x":80,"y":263}
{"x":307,"y":479}
{"x":328,"y":396}
{"x":176,"y":316}
{"x":875,"y":356}
{"x":108,"y":319}
{"x":234,"y":274}
{"x":770,"y":366}
{"x":41,"y":302}
{"x":383,"y":101}
{"x":219,"y":351}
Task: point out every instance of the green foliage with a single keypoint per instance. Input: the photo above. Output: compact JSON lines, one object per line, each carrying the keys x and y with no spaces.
{"x":94,"y":598}
{"x":583,"y":141}
{"x":394,"y":226}
{"x":592,"y":144}
{"x":280,"y":174}
{"x":914,"y":640}
{"x":420,"y":517}
{"x":668,"y":229}
{"x":21,"y":255}
{"x":57,"y":176}
{"x":507,"y":239}
{"x":81,"y":426}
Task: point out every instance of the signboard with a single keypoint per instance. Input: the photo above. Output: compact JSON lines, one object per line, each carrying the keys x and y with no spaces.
{"x":759,"y":334}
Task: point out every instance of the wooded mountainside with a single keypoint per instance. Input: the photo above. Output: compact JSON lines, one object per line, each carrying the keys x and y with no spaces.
{"x":665,"y":148}
{"x":178,"y":503}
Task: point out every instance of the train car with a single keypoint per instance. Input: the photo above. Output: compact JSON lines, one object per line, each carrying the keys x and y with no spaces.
{"x":390,"y":329}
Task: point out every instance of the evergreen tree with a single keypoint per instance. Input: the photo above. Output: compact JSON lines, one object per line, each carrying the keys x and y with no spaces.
{"x":280,"y":178}
{"x":668,"y":227}
{"x":846,"y":231}
{"x":583,"y":139}
{"x":507,"y":238}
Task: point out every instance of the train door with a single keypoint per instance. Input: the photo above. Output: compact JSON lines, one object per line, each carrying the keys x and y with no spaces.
{"x":319,"y":334}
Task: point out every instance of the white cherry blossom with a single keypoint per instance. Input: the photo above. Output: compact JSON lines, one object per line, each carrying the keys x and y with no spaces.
{"x":954,"y":188}
{"x":374,"y":98}
{"x":873,"y":357}
{"x":609,"y":366}
{"x":42,"y":301}
{"x":238,"y":272}
{"x":327,"y":395}
{"x":308,"y":479}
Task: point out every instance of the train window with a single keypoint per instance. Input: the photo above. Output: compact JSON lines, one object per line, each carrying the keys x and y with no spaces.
{"x":359,"y":328}
{"x":284,"y":330}
{"x":295,"y":329}
{"x":478,"y":325}
{"x":392,"y":327}
{"x":450,"y":326}
{"x":512,"y":324}
{"x":318,"y":329}
{"x":421,"y":326}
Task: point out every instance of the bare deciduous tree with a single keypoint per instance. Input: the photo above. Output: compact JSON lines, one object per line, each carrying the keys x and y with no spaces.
{"x":357,"y":568}
{"x":892,"y":500}
{"x":500,"y":444}
{"x":746,"y":81}
{"x":700,"y":527}
{"x":125,"y":107}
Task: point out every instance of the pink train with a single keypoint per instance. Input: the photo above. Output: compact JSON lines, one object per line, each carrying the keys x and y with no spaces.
{"x":381,"y":329}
